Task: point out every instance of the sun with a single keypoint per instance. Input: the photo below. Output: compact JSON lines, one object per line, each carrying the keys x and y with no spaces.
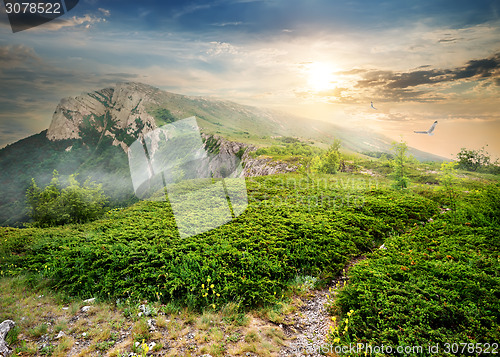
{"x":321,"y":76}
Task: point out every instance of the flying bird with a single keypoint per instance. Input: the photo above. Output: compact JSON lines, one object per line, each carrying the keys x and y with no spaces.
{"x":431,"y":129}
{"x":371,"y":103}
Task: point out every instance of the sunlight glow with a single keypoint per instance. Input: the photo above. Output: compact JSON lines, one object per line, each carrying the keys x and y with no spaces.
{"x":321,"y":76}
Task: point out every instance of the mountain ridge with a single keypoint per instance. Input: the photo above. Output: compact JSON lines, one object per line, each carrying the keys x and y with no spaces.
{"x":136,"y":107}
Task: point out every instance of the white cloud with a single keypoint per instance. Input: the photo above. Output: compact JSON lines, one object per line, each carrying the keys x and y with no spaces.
{"x":76,"y":21}
{"x":104,"y":11}
{"x":223,"y":24}
{"x":219,"y":48}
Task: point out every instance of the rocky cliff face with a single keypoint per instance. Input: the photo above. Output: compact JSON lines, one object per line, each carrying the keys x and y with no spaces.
{"x":230,"y":154}
{"x":121,"y":107}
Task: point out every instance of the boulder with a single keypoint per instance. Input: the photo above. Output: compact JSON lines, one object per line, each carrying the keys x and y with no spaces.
{"x":5,"y":327}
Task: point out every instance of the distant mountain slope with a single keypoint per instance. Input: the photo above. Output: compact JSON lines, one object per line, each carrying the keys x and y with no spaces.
{"x":90,"y":134}
{"x":130,"y":108}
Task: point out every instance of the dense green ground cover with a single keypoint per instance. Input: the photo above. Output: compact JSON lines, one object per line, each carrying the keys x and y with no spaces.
{"x":436,"y":283}
{"x":293,"y":226}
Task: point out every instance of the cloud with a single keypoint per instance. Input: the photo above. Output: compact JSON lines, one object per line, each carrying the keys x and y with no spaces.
{"x":223,"y":24}
{"x":85,"y":21}
{"x":482,"y":68}
{"x":13,"y":55}
{"x":104,"y":11}
{"x":402,"y":86}
{"x":219,"y":48}
{"x":190,"y":9}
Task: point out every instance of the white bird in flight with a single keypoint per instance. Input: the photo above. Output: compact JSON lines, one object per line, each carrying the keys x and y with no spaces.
{"x":371,"y":103}
{"x":431,"y":129}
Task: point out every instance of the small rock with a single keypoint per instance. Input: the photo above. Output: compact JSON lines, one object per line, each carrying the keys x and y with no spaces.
{"x":60,"y":334}
{"x":206,"y":355}
{"x":89,"y":301}
{"x":86,"y":308}
{"x":5,"y":327}
{"x":137,"y":344}
{"x":151,"y":324}
{"x":151,"y":345}
{"x":84,"y":334}
{"x":382,"y":246}
{"x":65,"y":308}
{"x":139,"y":314}
{"x":145,"y":310}
{"x":77,"y":343}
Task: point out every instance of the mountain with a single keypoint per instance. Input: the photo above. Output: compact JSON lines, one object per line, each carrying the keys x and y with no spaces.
{"x":129,"y":108}
{"x":90,"y":135}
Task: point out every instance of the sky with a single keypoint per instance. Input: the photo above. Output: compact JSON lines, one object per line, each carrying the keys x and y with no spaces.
{"x":417,"y":61}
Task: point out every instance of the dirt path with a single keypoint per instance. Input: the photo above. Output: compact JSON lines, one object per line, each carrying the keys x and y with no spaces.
{"x":310,"y":325}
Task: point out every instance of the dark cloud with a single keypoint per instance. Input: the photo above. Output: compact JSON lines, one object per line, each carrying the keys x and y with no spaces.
{"x":402,"y":86}
{"x":482,"y":68}
{"x":417,"y":78}
{"x":448,"y":40}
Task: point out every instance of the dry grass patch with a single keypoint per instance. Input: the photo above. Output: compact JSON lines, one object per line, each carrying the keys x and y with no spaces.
{"x":65,"y":343}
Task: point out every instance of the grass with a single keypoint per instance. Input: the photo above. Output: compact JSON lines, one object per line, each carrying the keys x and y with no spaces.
{"x":436,"y":280}
{"x":109,"y":332}
{"x":292,"y":226}
{"x":436,"y":283}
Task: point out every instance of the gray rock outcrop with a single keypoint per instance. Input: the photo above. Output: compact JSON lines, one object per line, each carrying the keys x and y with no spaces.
{"x":124,"y":104}
{"x":5,"y":327}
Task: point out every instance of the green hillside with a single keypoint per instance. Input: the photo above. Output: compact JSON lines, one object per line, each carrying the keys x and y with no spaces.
{"x":37,"y":157}
{"x":436,"y":281}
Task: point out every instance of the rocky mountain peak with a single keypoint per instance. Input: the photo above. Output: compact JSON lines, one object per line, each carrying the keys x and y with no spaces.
{"x":120,"y":107}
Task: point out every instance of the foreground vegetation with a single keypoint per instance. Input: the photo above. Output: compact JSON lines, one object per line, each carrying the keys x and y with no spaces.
{"x":287,"y":231}
{"x":436,"y":281}
{"x":435,"y":284}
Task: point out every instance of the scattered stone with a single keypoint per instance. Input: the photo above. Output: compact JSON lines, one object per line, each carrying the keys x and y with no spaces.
{"x":86,"y":308}
{"x":137,"y":344}
{"x":206,"y":355}
{"x":382,"y":246}
{"x":84,"y":334}
{"x":5,"y":327}
{"x":151,"y":345}
{"x":65,"y":308}
{"x":77,"y":343}
{"x":151,"y":324}
{"x":89,"y":301}
{"x":145,"y":310}
{"x":60,"y":334}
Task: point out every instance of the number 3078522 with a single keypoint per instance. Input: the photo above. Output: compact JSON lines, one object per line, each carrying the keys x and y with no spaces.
{"x":33,"y":8}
